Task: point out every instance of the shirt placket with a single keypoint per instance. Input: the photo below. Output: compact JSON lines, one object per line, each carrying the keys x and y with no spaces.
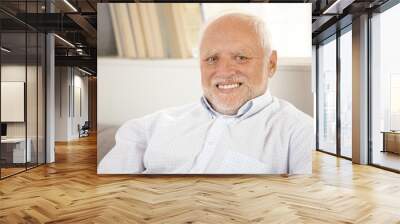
{"x":213,"y":137}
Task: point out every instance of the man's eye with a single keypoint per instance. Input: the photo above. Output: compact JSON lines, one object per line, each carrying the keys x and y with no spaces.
{"x":211,"y":60}
{"x":241,"y":58}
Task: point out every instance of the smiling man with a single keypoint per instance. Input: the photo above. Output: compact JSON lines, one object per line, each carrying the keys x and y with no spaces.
{"x":237,"y":127}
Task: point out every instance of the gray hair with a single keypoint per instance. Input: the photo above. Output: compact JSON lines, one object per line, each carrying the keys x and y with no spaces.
{"x":258,"y":23}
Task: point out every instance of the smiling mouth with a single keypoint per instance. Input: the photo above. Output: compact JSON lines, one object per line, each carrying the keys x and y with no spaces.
{"x":229,"y":86}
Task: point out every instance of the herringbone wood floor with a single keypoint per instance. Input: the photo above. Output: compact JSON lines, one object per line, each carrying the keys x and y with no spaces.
{"x":70,"y":191}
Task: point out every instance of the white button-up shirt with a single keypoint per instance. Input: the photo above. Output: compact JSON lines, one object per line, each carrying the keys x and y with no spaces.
{"x":267,"y":136}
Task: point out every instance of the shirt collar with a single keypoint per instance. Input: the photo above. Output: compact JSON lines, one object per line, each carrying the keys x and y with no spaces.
{"x":246,"y":110}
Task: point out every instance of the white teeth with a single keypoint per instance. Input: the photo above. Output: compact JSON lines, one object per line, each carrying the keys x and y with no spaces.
{"x":229,"y":86}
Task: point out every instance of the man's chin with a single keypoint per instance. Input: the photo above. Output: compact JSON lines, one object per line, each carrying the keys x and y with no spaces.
{"x":227,"y":104}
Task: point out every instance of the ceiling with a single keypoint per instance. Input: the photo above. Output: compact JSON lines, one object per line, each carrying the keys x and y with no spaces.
{"x":332,"y":15}
{"x":74,"y":22}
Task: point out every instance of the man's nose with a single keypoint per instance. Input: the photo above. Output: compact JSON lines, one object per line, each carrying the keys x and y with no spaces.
{"x":225,"y":66}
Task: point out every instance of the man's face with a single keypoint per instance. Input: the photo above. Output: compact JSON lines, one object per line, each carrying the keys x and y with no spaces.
{"x":233,"y":66}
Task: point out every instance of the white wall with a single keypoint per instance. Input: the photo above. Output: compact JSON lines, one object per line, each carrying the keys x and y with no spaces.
{"x":293,"y":82}
{"x":80,"y":82}
{"x":61,"y":103}
{"x":66,"y":121}
{"x":15,"y":73}
{"x":132,"y":88}
{"x":11,"y":73}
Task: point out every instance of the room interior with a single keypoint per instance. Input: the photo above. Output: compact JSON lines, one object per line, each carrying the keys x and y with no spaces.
{"x":49,"y":63}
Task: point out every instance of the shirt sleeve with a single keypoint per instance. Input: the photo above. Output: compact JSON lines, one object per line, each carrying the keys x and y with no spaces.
{"x":302,"y":143}
{"x":126,"y":157}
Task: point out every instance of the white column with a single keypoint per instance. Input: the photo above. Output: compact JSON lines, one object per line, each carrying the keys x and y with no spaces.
{"x":50,"y":92}
{"x":50,"y":100}
{"x":360,"y":90}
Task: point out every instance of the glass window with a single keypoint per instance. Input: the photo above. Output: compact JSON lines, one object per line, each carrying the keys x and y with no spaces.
{"x":327,"y":97}
{"x":385,"y":88}
{"x":14,"y":153}
{"x":22,"y":92}
{"x":31,"y":99}
{"x":41,"y":98}
{"x":395,"y":101}
{"x":346,"y":94}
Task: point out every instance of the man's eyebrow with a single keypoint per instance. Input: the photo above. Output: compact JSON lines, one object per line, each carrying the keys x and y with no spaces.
{"x":234,"y":52}
{"x":244,"y":50}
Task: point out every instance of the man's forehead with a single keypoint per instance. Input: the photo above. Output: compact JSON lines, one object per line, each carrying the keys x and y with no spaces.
{"x":231,"y":50}
{"x":230,"y":44}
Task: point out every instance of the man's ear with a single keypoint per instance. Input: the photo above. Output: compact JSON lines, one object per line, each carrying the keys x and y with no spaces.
{"x":272,"y":63}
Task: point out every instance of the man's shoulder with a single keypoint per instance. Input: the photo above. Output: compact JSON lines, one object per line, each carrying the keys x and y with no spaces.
{"x":298,"y":125}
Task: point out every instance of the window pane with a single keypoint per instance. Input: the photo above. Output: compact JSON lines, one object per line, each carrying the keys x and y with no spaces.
{"x":327,"y":97}
{"x":386,"y":89}
{"x":31,"y":97}
{"x":22,"y":90}
{"x":41,"y":98}
{"x":346,"y":93}
{"x":13,"y":86}
{"x":395,"y":101}
{"x":31,"y":86}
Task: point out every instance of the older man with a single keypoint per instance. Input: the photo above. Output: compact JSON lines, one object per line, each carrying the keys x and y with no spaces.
{"x":237,"y":127}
